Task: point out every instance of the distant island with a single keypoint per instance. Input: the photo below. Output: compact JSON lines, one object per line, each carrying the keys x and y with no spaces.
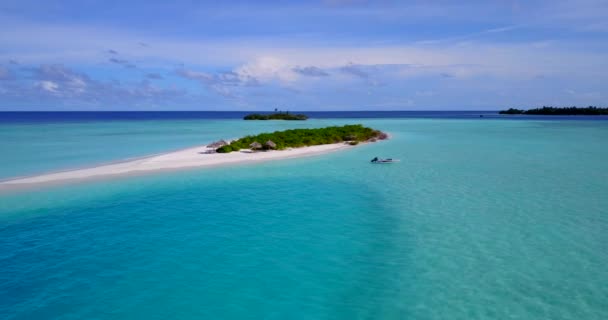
{"x":555,"y":111}
{"x":275,"y":116}
{"x":296,"y":138}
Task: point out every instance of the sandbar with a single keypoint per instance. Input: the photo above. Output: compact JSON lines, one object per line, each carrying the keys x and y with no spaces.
{"x":200,"y":156}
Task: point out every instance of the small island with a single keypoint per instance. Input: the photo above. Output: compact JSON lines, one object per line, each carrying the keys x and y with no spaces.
{"x":295,"y":143}
{"x":296,"y":138}
{"x":555,"y":111}
{"x":275,"y":116}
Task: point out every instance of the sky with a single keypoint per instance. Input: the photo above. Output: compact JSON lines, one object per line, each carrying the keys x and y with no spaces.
{"x":302,"y":55}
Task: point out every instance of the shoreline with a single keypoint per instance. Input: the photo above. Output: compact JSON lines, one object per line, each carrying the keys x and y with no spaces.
{"x":193,"y":157}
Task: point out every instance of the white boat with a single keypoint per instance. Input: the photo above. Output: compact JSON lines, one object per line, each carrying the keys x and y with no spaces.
{"x":380,"y":160}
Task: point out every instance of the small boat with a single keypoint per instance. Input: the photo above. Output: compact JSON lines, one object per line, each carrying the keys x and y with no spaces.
{"x":380,"y":160}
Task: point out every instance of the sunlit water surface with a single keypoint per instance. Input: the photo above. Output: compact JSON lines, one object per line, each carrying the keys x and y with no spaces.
{"x":480,"y":220}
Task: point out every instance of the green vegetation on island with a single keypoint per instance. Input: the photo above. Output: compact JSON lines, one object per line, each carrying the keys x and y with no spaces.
{"x":275,"y":116}
{"x":295,"y":138}
{"x":554,"y":111}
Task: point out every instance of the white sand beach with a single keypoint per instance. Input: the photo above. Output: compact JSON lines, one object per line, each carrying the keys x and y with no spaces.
{"x":187,"y":158}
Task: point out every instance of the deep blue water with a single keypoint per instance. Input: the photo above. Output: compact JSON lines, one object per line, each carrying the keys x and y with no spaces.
{"x":82,"y":116}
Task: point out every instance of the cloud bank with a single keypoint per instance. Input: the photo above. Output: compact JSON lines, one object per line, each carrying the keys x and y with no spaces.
{"x":367,"y":55}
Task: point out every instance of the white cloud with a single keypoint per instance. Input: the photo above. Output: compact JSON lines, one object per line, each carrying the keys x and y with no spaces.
{"x":268,"y":68}
{"x":310,"y":71}
{"x":48,"y":86}
{"x":264,"y":60}
{"x":222,"y":82}
{"x":233,"y":66}
{"x":58,"y":84}
{"x":57,"y":79}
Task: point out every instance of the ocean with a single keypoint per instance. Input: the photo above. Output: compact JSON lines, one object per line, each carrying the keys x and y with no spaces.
{"x":491,"y":217}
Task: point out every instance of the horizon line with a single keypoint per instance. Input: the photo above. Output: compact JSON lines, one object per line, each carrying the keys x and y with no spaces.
{"x":252,"y":111}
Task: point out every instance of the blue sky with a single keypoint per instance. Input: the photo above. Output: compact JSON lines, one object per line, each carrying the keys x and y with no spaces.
{"x":302,"y":55}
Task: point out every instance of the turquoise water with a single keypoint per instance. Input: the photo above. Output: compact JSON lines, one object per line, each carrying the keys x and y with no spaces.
{"x":29,"y":149}
{"x":480,"y":220}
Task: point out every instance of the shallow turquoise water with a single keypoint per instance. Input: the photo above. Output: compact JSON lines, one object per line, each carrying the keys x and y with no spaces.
{"x":481,"y":220}
{"x":29,"y":149}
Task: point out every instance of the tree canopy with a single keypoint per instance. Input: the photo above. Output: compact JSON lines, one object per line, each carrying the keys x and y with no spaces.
{"x":567,"y":111}
{"x":296,"y":138}
{"x":275,"y":116}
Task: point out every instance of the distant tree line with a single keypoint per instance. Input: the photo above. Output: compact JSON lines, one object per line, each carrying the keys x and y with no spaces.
{"x":555,"y":111}
{"x":276,"y":116}
{"x":305,"y":137}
